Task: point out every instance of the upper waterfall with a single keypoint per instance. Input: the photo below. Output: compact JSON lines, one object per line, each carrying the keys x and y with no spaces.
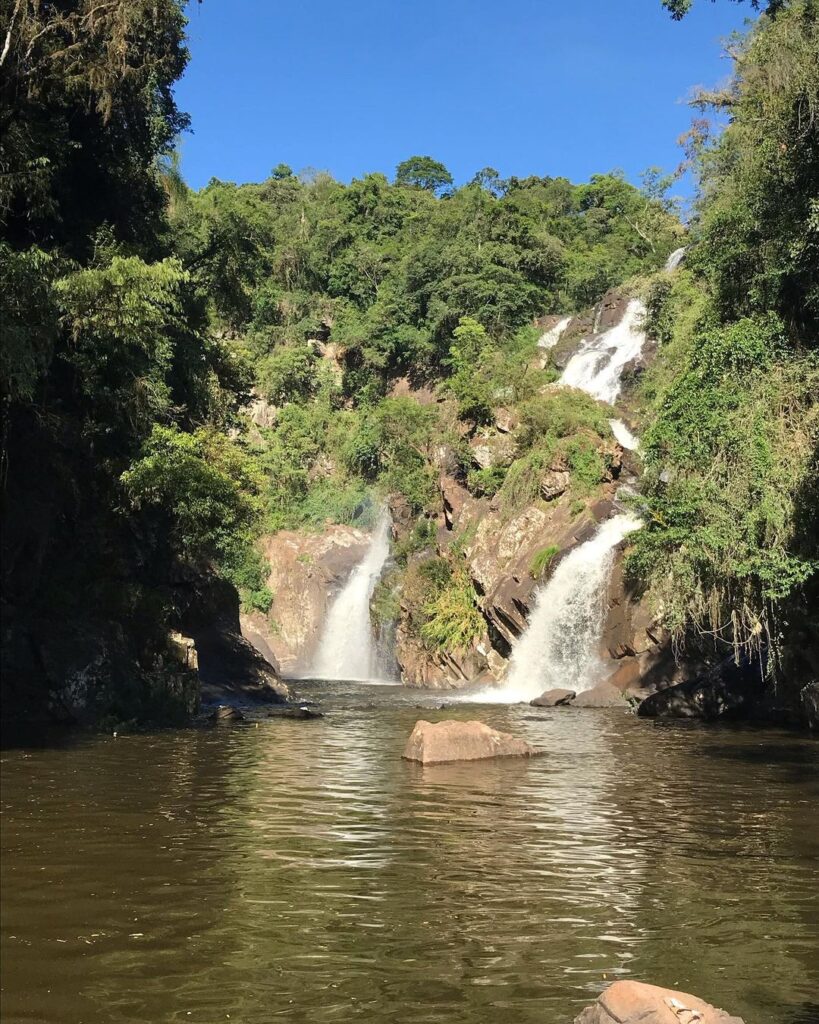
{"x":551,"y":337}
{"x":559,"y":647}
{"x":347,"y":649}
{"x":675,"y":259}
{"x":597,"y":367}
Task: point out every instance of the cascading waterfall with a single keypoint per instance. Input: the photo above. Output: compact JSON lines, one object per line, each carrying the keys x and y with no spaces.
{"x":559,"y":647}
{"x":596,"y":368}
{"x":347,"y":649}
{"x":623,"y":436}
{"x":551,"y":337}
{"x":675,"y":259}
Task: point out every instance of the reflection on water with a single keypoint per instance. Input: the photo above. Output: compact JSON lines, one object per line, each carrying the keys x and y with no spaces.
{"x":300,"y":871}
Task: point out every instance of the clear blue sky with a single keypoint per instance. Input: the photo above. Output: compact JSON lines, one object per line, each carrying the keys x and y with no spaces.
{"x":526,"y":86}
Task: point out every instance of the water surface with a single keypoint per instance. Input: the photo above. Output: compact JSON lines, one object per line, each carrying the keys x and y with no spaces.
{"x":300,"y":871}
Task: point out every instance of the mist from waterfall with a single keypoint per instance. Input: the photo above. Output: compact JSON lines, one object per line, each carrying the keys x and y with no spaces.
{"x":560,"y":645}
{"x":597,"y":367}
{"x":347,"y":648}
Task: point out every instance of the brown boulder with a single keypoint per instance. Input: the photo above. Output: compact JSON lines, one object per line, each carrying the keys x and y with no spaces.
{"x":436,"y":743}
{"x":630,"y":1002}
{"x":604,"y":695}
{"x":553,"y":698}
{"x":554,"y":483}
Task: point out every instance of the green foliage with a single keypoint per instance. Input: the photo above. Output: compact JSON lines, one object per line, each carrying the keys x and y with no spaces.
{"x":542,"y":560}
{"x":420,"y":537}
{"x":288,"y":374}
{"x":392,"y":444}
{"x":423,"y":172}
{"x":586,"y":463}
{"x":385,"y":604}
{"x":730,"y":549}
{"x":451,"y":619}
{"x":486,"y":482}
{"x":30,"y":319}
{"x":558,"y":414}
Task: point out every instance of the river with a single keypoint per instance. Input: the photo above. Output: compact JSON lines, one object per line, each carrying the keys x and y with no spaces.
{"x":301,"y":871}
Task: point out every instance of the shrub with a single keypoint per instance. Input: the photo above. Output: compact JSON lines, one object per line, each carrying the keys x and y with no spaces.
{"x":542,"y":560}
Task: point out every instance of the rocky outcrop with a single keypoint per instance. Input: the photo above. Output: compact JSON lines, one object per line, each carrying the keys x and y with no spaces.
{"x":230,"y":668}
{"x":461,"y":741}
{"x":634,"y":1002}
{"x":306,"y":571}
{"x":727,"y":691}
{"x":492,"y":448}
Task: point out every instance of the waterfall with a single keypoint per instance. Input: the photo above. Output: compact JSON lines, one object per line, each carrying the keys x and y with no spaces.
{"x":675,"y":259}
{"x":560,"y":645}
{"x":551,"y":337}
{"x":596,"y":368}
{"x":623,"y":436}
{"x":347,"y":649}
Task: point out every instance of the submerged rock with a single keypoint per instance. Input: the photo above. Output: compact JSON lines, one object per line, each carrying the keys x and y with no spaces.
{"x":553,"y":698}
{"x":630,"y":1002}
{"x":436,"y":743}
{"x":604,"y":695}
{"x":224,"y":713}
{"x":294,"y":712}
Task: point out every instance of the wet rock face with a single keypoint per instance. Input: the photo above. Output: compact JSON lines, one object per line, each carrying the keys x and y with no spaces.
{"x":604,"y":695}
{"x":630,"y":1002}
{"x":810,"y":704}
{"x":461,"y":741}
{"x":730,"y":691}
{"x":553,"y":698}
{"x":443,"y":670}
{"x":306,"y":571}
{"x":230,"y":667}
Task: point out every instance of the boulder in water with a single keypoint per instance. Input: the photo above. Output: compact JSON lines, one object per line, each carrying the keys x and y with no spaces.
{"x":630,"y":1002}
{"x":439,"y":742}
{"x":294,"y":712}
{"x":224,"y":713}
{"x":553,"y":698}
{"x":604,"y":695}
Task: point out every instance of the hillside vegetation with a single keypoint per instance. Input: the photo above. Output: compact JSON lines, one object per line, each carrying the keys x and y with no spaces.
{"x":370,"y":326}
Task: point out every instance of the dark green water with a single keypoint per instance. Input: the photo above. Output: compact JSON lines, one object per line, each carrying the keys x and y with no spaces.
{"x":300,"y":871}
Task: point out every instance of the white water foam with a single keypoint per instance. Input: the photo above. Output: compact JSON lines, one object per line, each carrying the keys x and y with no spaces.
{"x":623,"y":436}
{"x":560,"y":645}
{"x":554,"y":334}
{"x":675,"y":259}
{"x":347,"y":649}
{"x":596,"y":368}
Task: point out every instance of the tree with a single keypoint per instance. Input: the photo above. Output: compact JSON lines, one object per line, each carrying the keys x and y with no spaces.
{"x":490,"y":181}
{"x":679,"y":8}
{"x":423,"y":172}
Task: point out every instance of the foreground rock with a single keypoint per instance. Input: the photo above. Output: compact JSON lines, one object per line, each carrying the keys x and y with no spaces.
{"x":630,"y":1002}
{"x":437,"y":743}
{"x":553,"y":698}
{"x":604,"y":695}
